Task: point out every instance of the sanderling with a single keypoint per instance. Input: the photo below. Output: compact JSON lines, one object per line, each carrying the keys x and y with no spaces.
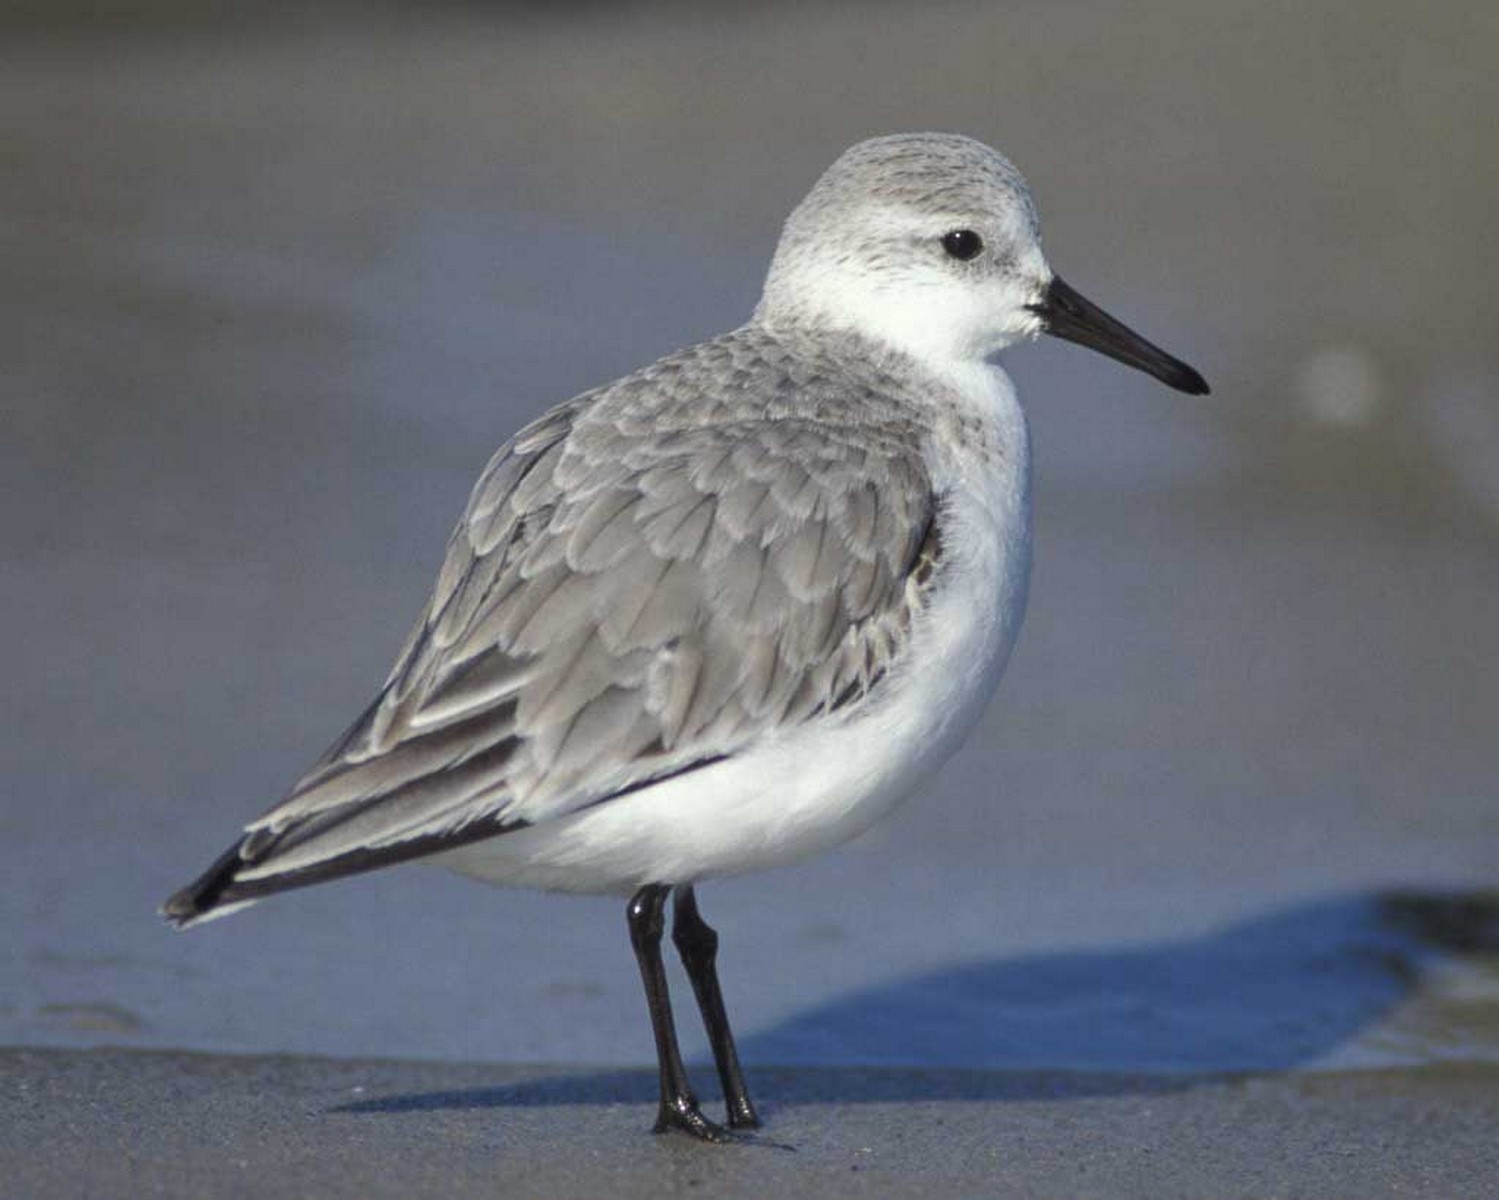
{"x":724,"y":612}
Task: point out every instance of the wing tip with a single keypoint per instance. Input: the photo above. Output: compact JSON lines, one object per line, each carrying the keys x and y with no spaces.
{"x":200,"y":899}
{"x":221,"y":890}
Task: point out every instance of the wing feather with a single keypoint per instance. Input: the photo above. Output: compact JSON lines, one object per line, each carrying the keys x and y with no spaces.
{"x":631,"y":590}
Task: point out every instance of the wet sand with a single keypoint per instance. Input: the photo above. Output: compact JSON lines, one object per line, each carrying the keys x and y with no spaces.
{"x":169,"y":1125}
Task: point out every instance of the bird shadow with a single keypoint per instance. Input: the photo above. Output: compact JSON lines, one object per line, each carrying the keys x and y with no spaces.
{"x":1269,"y":994}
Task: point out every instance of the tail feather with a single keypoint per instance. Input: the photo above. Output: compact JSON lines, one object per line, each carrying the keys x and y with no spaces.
{"x":220,"y":890}
{"x":199,"y":898}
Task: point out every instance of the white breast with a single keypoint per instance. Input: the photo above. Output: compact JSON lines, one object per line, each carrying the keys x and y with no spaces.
{"x":812,"y":788}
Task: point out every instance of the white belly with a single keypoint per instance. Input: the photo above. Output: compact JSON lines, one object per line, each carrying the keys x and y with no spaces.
{"x":811,"y":788}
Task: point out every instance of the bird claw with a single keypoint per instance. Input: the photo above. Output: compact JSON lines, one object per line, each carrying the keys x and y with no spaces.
{"x":684,"y":1116}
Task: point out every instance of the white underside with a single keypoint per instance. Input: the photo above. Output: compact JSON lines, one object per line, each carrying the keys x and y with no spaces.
{"x":810,"y":789}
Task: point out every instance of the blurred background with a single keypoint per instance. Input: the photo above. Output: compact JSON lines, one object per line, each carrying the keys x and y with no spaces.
{"x":274,"y":283}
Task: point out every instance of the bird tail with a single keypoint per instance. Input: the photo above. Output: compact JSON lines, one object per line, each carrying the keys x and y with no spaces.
{"x":248,"y":870}
{"x":204,"y":898}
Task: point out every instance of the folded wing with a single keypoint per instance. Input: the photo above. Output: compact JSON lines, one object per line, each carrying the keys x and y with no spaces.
{"x":631,"y":593}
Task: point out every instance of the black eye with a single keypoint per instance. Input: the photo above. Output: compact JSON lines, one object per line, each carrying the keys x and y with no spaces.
{"x":962,"y":244}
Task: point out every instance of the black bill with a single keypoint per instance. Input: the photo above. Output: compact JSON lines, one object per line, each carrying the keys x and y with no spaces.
{"x":1067,"y":314}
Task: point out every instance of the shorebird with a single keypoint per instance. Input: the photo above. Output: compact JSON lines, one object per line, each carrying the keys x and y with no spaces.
{"x":726,"y":611}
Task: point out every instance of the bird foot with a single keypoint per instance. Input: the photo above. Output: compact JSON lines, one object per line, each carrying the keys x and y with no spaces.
{"x":686,"y":1117}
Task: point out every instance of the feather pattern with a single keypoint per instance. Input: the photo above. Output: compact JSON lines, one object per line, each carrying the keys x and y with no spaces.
{"x":654,"y":575}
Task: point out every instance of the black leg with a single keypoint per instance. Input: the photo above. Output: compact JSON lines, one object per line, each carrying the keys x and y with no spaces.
{"x":679,"y":1108}
{"x":697,"y":943}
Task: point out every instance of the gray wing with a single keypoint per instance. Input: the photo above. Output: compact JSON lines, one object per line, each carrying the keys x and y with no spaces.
{"x":623,"y":600}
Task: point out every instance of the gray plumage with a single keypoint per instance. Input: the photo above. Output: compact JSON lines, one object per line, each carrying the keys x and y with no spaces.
{"x":729,"y":610}
{"x":650,"y":576}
